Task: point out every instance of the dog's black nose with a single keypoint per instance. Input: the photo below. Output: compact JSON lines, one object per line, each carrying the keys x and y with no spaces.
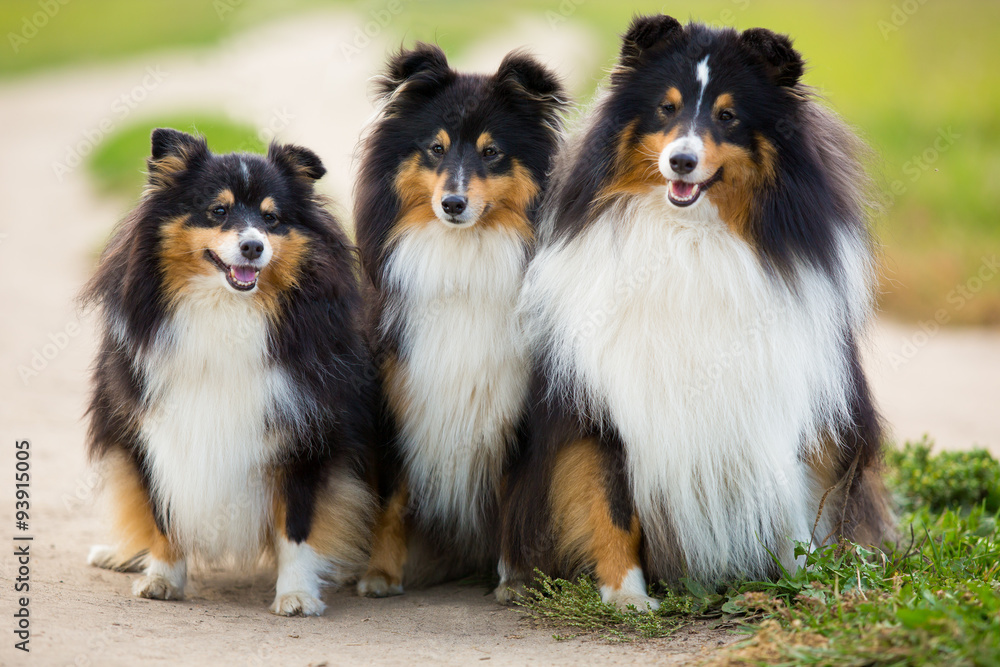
{"x":454,"y":204}
{"x":683,"y":163}
{"x":252,"y":249}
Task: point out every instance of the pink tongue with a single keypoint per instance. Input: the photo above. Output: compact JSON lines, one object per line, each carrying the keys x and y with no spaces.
{"x":244,"y":274}
{"x":682,"y":189}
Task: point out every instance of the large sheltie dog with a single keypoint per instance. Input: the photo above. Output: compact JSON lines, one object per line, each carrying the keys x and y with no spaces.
{"x":704,"y":276}
{"x":451,"y":172}
{"x":231,"y":414}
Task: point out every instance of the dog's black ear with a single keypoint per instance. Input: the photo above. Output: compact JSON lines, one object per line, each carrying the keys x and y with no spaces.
{"x":424,"y":63}
{"x":645,"y":33}
{"x":533,"y":80}
{"x":782,"y":62}
{"x":522,"y":70}
{"x":298,"y":161}
{"x":167,"y":141}
{"x":173,"y":151}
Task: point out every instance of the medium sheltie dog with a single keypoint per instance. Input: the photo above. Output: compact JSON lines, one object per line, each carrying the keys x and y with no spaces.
{"x":704,"y":274}
{"x":232,"y":402}
{"x":452,"y":168}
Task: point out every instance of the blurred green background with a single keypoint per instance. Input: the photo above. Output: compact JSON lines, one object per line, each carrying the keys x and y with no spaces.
{"x":917,"y":78}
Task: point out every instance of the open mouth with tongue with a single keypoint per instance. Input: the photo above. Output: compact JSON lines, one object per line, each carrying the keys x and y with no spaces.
{"x":682,"y":193}
{"x":241,"y":277}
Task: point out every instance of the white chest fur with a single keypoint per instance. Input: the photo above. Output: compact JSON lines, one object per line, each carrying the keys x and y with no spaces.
{"x":211,"y":390}
{"x":463,"y":370}
{"x":717,"y":375}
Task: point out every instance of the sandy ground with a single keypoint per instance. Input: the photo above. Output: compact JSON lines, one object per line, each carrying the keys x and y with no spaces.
{"x":293,"y":78}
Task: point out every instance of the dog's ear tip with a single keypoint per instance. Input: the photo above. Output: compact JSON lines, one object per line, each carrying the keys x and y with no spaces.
{"x":530,"y":74}
{"x":784,"y":64}
{"x":168,"y":141}
{"x":646,"y":32}
{"x":299,"y":160}
{"x":406,"y":63}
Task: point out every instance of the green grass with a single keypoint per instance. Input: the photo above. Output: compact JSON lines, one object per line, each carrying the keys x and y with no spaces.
{"x":119,"y":162}
{"x":933,"y":600}
{"x":900,"y":88}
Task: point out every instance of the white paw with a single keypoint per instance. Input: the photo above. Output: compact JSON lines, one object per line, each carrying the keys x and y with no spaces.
{"x":509,"y":592}
{"x":622,"y":599}
{"x":157,"y":587}
{"x":378,"y":586}
{"x":631,"y":591}
{"x":297,"y":603}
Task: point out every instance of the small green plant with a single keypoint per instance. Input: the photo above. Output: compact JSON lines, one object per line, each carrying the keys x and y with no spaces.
{"x":945,"y":480}
{"x":577,"y":605}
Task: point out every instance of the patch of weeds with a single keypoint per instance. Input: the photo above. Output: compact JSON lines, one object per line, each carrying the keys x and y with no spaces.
{"x":577,"y":605}
{"x":934,"y":599}
{"x":945,"y":480}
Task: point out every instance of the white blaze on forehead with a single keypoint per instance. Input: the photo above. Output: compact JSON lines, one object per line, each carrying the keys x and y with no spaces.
{"x":246,"y":172}
{"x":701,"y":73}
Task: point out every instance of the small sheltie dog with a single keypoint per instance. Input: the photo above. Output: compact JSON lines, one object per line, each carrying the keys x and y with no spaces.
{"x":452,"y":168}
{"x":704,"y":274}
{"x":232,"y":400}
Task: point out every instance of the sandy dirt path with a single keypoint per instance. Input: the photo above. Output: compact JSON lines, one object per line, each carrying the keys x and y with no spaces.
{"x":293,"y":78}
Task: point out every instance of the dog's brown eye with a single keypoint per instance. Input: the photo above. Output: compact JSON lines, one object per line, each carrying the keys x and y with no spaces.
{"x":437,"y":149}
{"x":727,"y":115}
{"x":669,"y":109}
{"x":270,"y":218}
{"x":219,"y":211}
{"x":490,"y":151}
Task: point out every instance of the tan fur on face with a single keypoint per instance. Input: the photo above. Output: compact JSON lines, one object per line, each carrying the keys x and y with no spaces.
{"x":268,"y":205}
{"x":415,"y":186}
{"x":182,"y":257}
{"x":442,"y":137}
{"x":182,"y":253}
{"x":637,"y":164}
{"x":485,"y":139}
{"x":282,"y":273}
{"x":586,"y":536}
{"x":132,"y":515}
{"x":225,"y":198}
{"x":674,"y":97}
{"x":742,"y":176}
{"x":505,"y":199}
{"x":723,"y":101}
